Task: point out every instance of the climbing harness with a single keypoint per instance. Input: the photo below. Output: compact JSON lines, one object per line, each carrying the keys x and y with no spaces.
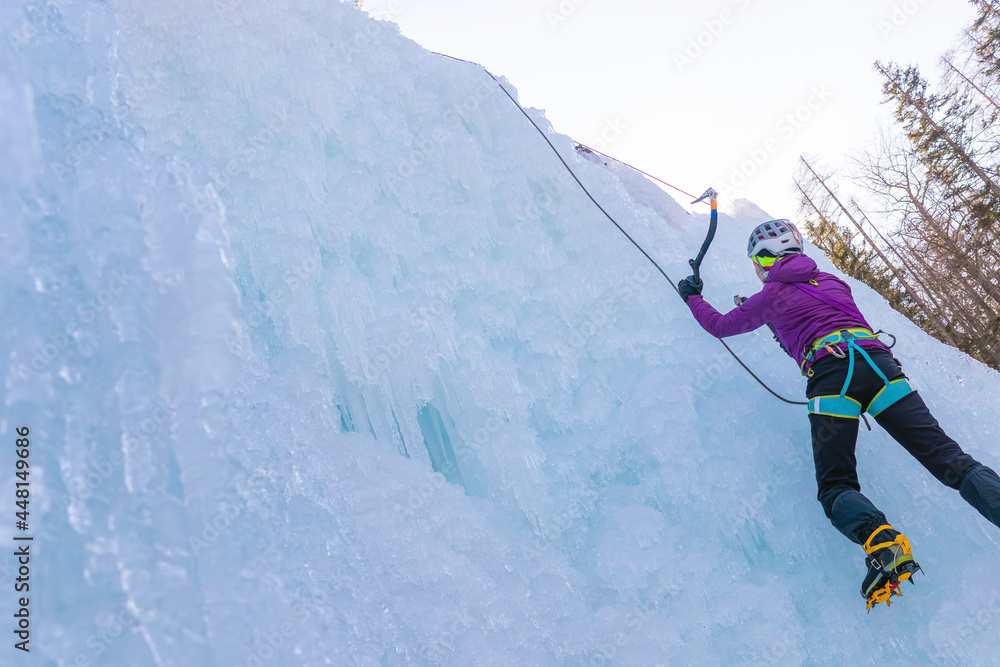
{"x":902,"y":568}
{"x":842,"y":405}
{"x":695,"y":263}
{"x":830,"y":343}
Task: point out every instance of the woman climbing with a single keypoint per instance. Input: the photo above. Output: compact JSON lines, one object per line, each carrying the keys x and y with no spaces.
{"x":849,"y":371}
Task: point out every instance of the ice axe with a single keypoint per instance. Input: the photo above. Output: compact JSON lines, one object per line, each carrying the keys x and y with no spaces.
{"x":712,"y":196}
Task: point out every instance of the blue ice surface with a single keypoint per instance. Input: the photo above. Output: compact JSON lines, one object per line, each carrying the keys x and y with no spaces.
{"x":327,"y":360}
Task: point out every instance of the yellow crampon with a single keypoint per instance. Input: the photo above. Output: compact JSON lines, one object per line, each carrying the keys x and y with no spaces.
{"x":891,"y":588}
{"x":885,"y":593}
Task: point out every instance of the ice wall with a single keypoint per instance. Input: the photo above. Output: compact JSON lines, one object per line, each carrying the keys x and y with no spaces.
{"x":328,"y":361}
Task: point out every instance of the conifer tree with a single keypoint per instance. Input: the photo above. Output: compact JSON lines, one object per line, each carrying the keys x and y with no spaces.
{"x":864,"y":261}
{"x":985,"y":35}
{"x":938,"y":126}
{"x":934,"y":248}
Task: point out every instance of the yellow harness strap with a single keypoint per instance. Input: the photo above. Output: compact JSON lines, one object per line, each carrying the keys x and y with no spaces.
{"x":837,"y":337}
{"x":829,"y":342}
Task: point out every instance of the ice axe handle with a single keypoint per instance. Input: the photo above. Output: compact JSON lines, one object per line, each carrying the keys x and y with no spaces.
{"x":712,"y":196}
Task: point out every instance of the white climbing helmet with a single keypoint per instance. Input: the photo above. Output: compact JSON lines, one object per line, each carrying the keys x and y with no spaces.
{"x":774,"y":238}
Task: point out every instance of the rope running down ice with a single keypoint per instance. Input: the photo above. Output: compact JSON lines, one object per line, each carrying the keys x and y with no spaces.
{"x":615,"y":222}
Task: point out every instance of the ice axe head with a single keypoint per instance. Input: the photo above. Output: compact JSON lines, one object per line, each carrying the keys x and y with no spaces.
{"x":710,"y":194}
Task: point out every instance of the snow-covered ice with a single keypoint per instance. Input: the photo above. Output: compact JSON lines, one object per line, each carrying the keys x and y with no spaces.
{"x":327,"y":360}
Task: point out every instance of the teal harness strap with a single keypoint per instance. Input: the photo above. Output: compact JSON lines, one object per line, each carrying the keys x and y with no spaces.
{"x":835,"y":406}
{"x":850,"y":368}
{"x":843,"y":405}
{"x":890,"y":393}
{"x":893,"y":390}
{"x":868,"y":359}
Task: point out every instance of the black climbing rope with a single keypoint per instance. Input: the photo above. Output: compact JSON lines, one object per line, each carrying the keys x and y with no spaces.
{"x":620,"y":228}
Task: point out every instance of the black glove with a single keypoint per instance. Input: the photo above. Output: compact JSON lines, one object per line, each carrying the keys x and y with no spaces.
{"x":689,"y":287}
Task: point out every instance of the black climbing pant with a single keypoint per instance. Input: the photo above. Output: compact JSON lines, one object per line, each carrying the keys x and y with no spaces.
{"x":909,"y":422}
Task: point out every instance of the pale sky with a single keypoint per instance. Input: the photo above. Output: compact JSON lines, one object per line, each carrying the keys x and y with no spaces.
{"x":698,"y":94}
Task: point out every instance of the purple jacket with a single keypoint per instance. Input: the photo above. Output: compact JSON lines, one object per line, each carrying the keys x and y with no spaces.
{"x":798,"y":317}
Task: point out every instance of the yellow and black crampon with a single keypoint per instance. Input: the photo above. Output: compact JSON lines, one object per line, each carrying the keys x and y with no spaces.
{"x":889,"y":563}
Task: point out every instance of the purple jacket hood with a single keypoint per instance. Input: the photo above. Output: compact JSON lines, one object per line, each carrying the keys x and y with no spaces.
{"x":797,"y":316}
{"x":793,"y":269}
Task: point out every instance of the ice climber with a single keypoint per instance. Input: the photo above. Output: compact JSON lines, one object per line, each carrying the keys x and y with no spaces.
{"x":849,"y":371}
